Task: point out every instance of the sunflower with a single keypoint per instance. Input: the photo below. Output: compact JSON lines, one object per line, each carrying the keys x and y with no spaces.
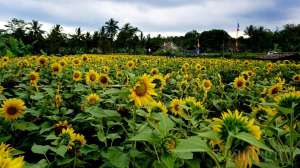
{"x":77,"y":75}
{"x":130,"y":64}
{"x":76,"y":62}
{"x":143,"y":91}
{"x":154,"y":71}
{"x":58,"y":100}
{"x":159,"y":81}
{"x":56,"y":68}
{"x":239,"y":82}
{"x":206,"y":85}
{"x":198,"y":67}
{"x":234,"y":122}
{"x":34,"y":78}
{"x":103,"y":79}
{"x":42,"y":60}
{"x":92,"y":77}
{"x":158,"y":106}
{"x":68,"y":136}
{"x":105,"y":69}
{"x":287,"y":100}
{"x":62,"y":125}
{"x":5,"y":59}
{"x":176,"y":107}
{"x":275,"y":89}
{"x":63,"y":63}
{"x":7,"y":160}
{"x":78,"y":139}
{"x":93,"y":99}
{"x":85,"y":58}
{"x":12,"y":108}
{"x":296,"y":78}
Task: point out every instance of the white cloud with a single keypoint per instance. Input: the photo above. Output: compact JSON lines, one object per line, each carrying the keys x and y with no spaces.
{"x":156,"y":17}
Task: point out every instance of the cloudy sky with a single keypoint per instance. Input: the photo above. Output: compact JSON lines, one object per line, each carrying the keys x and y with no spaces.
{"x":166,"y":17}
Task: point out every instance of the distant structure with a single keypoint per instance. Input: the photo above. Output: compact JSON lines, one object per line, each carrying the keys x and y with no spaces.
{"x":169,"y":46}
{"x":281,"y":56}
{"x":237,"y":37}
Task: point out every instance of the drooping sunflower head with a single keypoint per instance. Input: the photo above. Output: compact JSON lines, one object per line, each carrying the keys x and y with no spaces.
{"x":77,"y":75}
{"x":78,"y":139}
{"x":7,"y":160}
{"x":239,"y":82}
{"x":56,"y":68}
{"x":234,"y":122}
{"x":12,"y":108}
{"x":207,"y":85}
{"x":143,"y":91}
{"x":34,"y":77}
{"x":287,"y":100}
{"x":93,"y":99}
{"x":92,"y":77}
{"x":104,"y":79}
{"x":184,"y":85}
{"x":159,"y":81}
{"x":176,"y":107}
{"x":158,"y":107}
{"x":58,"y":100}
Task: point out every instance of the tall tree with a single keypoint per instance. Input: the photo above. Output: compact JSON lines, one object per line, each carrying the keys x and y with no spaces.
{"x":56,"y":40}
{"x":214,"y":40}
{"x":260,"y":39}
{"x":35,"y":36}
{"x":17,"y":27}
{"x":111,"y":28}
{"x":127,"y":38}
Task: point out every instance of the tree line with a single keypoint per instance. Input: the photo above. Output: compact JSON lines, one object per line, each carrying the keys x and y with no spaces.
{"x":22,"y":38}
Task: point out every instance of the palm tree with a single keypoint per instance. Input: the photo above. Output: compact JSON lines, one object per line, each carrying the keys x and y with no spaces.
{"x":35,"y":29}
{"x":35,"y":36}
{"x":111,"y":28}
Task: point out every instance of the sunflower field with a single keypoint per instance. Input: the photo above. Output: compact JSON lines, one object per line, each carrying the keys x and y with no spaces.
{"x":148,"y":111}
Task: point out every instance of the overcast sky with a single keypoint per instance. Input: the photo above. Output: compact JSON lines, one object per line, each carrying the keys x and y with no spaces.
{"x":166,"y":17}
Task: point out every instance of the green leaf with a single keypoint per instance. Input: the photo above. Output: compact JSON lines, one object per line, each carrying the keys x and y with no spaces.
{"x":25,"y":126}
{"x":51,"y":137}
{"x":145,"y":134}
{"x":61,"y":150}
{"x":50,"y":91}
{"x":101,"y":113}
{"x":37,"y":96}
{"x":40,"y":149}
{"x":192,"y":144}
{"x":89,"y":148}
{"x":209,"y":135}
{"x":252,"y":140}
{"x":116,"y":157}
{"x":41,"y":164}
{"x":165,"y":124}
